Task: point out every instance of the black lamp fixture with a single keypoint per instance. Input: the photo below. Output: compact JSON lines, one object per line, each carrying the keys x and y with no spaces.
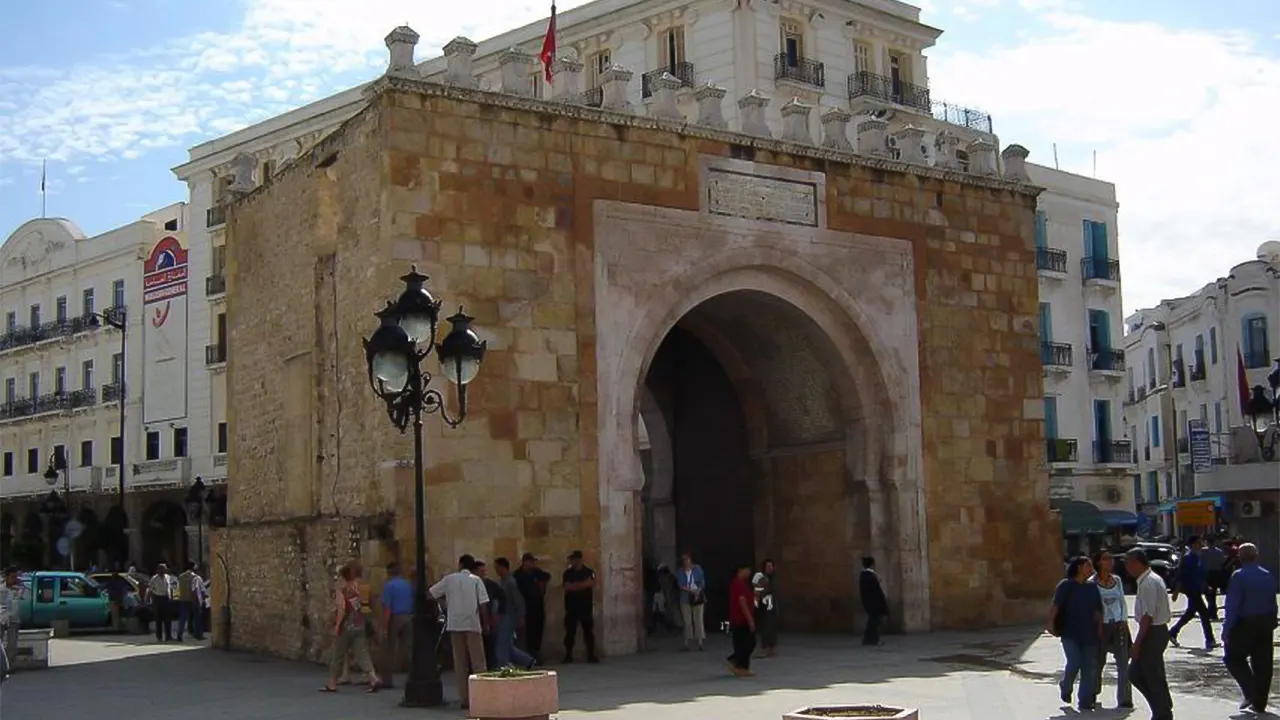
{"x":406,"y":336}
{"x":195,"y":501}
{"x":117,"y":317}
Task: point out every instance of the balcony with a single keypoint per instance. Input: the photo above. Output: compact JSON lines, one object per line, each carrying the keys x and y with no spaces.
{"x":1113,"y":453}
{"x":962,"y":116}
{"x":215,"y":354}
{"x":112,"y":392}
{"x":21,"y":336}
{"x":1056,"y":356}
{"x":1251,"y":463}
{"x":215,"y":285}
{"x":1100,"y":271}
{"x":1062,"y":451}
{"x":593,"y":97}
{"x":215,"y":216}
{"x":789,"y":68}
{"x":82,"y":398}
{"x":1107,"y":362}
{"x":682,"y":71}
{"x":1051,"y":262}
{"x":171,"y":472}
{"x":868,"y":88}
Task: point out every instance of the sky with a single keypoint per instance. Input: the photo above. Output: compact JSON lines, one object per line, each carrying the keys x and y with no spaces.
{"x":1176,"y":98}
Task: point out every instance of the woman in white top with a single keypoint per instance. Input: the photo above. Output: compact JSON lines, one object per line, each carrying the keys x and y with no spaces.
{"x":1115,"y":627}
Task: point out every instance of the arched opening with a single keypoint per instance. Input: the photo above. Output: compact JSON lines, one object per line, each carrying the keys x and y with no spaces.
{"x":113,"y":538}
{"x":164,"y":537}
{"x":752,"y":428}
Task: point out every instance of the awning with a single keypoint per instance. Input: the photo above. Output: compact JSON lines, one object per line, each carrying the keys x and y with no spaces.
{"x":1119,"y":518}
{"x":1080,"y":518}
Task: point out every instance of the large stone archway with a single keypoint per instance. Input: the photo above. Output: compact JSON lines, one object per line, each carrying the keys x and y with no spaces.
{"x":654,"y":267}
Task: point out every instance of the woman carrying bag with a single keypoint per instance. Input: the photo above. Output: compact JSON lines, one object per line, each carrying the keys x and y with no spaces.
{"x":693,"y":601}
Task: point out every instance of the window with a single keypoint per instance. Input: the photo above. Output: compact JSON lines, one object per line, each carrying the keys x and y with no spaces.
{"x":1151,"y":368}
{"x":222,"y":437}
{"x":33,"y":461}
{"x":268,"y":170}
{"x":1128,"y":373}
{"x":60,"y":451}
{"x":10,"y":390}
{"x":862,"y":58}
{"x":1213,"y":345}
{"x":117,"y":451}
{"x":600,"y":63}
{"x":1155,"y":431}
{"x":1168,"y":485}
{"x":1153,"y":486}
{"x":60,"y":381}
{"x":221,"y":330}
{"x":44,"y":589}
{"x":8,"y":463}
{"x":1217,"y":417}
{"x":61,"y":310}
{"x":11,"y":321}
{"x":537,"y":84}
{"x":1254,"y":345}
{"x":1095,"y":240}
{"x":1042,"y":230}
{"x":87,"y":302}
{"x":73,"y":587}
{"x":117,"y":368}
{"x":180,"y":442}
{"x":86,"y":375}
{"x":219,"y":259}
{"x":33,"y":386}
{"x":171,"y":224}
{"x":35,"y":316}
{"x":117,"y":294}
{"x":1046,"y":322}
{"x":153,"y":445}
{"x":86,"y":453}
{"x":672,"y":46}
{"x":792,"y":42}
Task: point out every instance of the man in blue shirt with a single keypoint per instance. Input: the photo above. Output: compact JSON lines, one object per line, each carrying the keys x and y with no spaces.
{"x":397,"y":614}
{"x":1247,"y":628}
{"x":1191,"y":582}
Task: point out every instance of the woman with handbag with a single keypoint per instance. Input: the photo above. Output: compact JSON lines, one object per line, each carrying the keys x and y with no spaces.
{"x":693,"y":601}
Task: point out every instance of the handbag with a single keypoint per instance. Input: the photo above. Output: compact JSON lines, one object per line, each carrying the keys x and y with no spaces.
{"x":697,"y":598}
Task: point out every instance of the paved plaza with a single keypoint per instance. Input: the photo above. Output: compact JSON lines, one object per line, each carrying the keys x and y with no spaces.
{"x":1004,"y":674}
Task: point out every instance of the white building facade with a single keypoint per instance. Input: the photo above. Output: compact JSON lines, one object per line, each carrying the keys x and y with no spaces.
{"x":90,"y":337}
{"x":1199,"y":359}
{"x":1088,"y":449}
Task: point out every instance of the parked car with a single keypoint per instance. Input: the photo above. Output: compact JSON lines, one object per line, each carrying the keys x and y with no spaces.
{"x":1164,"y":559}
{"x":57,"y":594}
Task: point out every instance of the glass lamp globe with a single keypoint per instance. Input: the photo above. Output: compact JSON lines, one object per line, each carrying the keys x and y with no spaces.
{"x":391,"y":370}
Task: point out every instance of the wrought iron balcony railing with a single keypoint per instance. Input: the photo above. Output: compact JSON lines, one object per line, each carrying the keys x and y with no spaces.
{"x":215,"y":216}
{"x":962,"y":116}
{"x":1107,"y":359}
{"x":215,"y":285}
{"x":112,"y":392}
{"x":884,"y":89}
{"x":84,"y":397}
{"x":215,"y":354}
{"x":1062,"y":450}
{"x":593,"y":97}
{"x":1100,"y":268}
{"x":1054,"y":354}
{"x":22,"y":335}
{"x":682,"y":71}
{"x":1051,"y":259}
{"x":799,"y":69}
{"x":1113,"y":452}
{"x":16,"y":408}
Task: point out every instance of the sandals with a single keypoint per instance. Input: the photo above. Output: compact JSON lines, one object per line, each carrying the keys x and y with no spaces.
{"x":327,"y":689}
{"x":374,"y":687}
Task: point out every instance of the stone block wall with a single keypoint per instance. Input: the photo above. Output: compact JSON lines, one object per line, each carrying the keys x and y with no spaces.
{"x":494,"y":202}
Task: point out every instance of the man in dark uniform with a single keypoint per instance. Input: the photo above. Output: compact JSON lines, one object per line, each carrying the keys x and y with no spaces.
{"x":532,"y":581}
{"x":497,"y":606}
{"x":579,"y":581}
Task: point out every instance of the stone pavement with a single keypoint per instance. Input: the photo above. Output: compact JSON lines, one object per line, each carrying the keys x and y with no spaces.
{"x":1005,"y":674}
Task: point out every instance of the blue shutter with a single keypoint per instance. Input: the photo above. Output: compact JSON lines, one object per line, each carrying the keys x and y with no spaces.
{"x":1246,"y":340}
{"x":1155,"y":431}
{"x":1051,"y":418}
{"x":1046,"y":323}
{"x":1088,"y":238}
{"x":1042,"y":230}
{"x":1100,"y":249}
{"x":1100,"y":330}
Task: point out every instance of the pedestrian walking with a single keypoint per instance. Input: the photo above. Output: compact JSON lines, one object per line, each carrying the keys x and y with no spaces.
{"x":1249,"y":623}
{"x":532,"y":581}
{"x":1075,"y":618}
{"x":766,"y":609}
{"x":397,"y":617}
{"x":693,"y":602}
{"x":874,"y":602}
{"x":188,"y":603}
{"x":579,"y":583}
{"x":1151,"y":610}
{"x":742,"y":622}
{"x":349,"y":631}
{"x":510,"y":621}
{"x":1214,"y":560}
{"x":117,"y":591}
{"x":1191,"y":582}
{"x":1115,"y":628}
{"x":11,"y":593}
{"x":466,"y":620}
{"x":160,"y":590}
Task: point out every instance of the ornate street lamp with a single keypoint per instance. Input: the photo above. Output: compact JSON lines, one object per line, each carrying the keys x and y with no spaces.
{"x":117,"y":318}
{"x":394,"y":353}
{"x":195,"y":502}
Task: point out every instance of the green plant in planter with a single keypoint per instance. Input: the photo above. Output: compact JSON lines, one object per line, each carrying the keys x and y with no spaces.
{"x":511,"y":672}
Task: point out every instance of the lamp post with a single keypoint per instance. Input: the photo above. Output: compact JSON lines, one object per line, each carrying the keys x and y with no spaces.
{"x":394,"y":353}
{"x":58,"y":464}
{"x":195,"y":500}
{"x":117,"y":318}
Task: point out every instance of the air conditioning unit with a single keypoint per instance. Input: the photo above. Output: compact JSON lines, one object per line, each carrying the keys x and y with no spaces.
{"x":1250,"y":509}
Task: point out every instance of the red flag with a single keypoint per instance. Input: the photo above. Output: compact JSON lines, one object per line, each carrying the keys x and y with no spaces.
{"x":1242,"y":380}
{"x":548,"y":54}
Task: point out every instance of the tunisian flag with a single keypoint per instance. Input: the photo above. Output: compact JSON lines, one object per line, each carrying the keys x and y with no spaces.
{"x":548,"y":54}
{"x":1242,"y":381}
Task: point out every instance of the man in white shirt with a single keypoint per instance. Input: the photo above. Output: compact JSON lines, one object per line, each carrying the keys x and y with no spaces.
{"x":466,"y":620}
{"x":1151,"y":609}
{"x":160,"y":590}
{"x":10,"y":601}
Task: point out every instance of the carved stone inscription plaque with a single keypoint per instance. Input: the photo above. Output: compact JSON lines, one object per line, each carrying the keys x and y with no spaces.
{"x":755,"y":197}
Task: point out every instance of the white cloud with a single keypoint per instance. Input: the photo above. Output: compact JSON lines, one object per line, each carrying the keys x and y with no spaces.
{"x":1174,"y":116}
{"x":182,"y":91}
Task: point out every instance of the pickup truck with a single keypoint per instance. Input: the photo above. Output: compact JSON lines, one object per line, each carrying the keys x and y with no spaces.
{"x":56,"y":595}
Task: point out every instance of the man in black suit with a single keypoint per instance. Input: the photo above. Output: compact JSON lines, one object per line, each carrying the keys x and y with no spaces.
{"x":874,"y":602}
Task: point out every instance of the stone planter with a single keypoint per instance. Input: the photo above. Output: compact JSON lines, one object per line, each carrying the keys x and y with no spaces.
{"x":871,"y":712}
{"x":33,"y":650}
{"x":524,"y":696}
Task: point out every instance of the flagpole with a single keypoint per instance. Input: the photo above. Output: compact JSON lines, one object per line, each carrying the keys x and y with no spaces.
{"x":44,"y":197}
